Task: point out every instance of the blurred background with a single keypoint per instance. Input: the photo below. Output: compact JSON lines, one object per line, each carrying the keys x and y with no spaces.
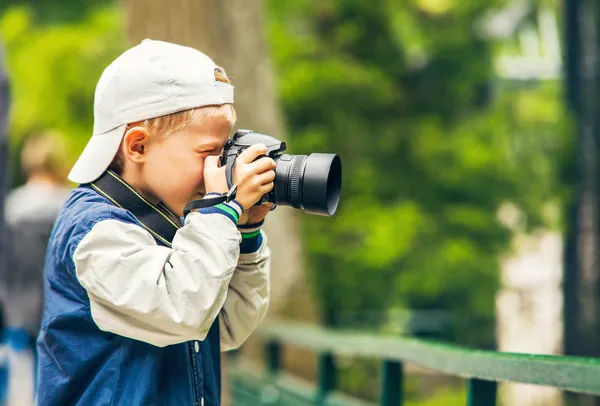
{"x":468,"y":135}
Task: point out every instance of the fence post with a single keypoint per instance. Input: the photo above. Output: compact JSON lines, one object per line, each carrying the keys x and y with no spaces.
{"x":327,"y":377}
{"x":481,"y":393}
{"x":270,"y":394}
{"x":392,"y":383}
{"x":273,"y":357}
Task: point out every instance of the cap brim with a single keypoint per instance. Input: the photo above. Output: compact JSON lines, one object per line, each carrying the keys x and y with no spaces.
{"x":97,"y":156}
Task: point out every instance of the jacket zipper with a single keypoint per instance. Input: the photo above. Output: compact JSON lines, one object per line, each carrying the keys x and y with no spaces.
{"x":192,"y":363}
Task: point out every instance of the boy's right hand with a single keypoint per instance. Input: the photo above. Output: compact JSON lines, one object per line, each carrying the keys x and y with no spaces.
{"x":253,"y":178}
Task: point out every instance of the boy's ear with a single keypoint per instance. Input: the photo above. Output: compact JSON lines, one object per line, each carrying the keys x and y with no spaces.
{"x":135,"y":144}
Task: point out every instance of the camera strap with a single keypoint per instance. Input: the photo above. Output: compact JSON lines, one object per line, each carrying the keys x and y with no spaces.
{"x":210,"y":201}
{"x":157,"y":219}
{"x":230,"y":159}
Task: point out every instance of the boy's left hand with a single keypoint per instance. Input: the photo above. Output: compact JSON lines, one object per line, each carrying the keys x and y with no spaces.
{"x":255,"y":214}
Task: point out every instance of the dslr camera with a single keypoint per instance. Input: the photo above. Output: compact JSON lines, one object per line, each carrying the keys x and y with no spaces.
{"x":309,"y":182}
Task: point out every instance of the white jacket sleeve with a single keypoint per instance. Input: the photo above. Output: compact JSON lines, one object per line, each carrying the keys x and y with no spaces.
{"x":155,"y":294}
{"x":247,"y":298}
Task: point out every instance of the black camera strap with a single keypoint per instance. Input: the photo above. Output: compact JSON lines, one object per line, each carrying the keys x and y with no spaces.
{"x":162,"y":224}
{"x":157,"y":219}
{"x":230,"y":159}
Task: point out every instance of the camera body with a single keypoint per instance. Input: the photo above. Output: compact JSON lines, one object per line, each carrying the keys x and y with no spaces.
{"x":312,"y":182}
{"x":243,"y":139}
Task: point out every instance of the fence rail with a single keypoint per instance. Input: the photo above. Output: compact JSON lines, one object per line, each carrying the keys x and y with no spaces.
{"x":482,"y":369}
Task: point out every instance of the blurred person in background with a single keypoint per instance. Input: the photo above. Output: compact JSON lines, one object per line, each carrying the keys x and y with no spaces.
{"x":30,"y":212}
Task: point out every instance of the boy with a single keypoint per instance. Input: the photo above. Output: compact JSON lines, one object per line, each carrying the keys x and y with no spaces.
{"x":132,"y":317}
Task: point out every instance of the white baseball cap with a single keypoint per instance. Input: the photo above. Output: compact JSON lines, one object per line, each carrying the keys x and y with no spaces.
{"x":150,"y":80}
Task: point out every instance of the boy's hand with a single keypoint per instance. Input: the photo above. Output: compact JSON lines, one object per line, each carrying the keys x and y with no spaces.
{"x":255,"y":214}
{"x":253,"y":178}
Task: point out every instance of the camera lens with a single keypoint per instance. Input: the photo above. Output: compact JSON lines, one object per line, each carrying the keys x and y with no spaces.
{"x":312,"y":183}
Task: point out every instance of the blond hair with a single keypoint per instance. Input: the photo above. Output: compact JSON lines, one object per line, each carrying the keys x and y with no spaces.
{"x":44,"y":154}
{"x":163,"y":126}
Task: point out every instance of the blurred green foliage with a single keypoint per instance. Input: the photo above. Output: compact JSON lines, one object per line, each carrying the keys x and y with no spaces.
{"x":445,"y":397}
{"x":53,"y":72}
{"x":361,"y":378}
{"x":52,"y":12}
{"x":432,"y":142}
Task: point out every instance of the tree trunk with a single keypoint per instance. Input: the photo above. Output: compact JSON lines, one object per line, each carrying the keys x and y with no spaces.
{"x":231,"y":33}
{"x":582,"y":259}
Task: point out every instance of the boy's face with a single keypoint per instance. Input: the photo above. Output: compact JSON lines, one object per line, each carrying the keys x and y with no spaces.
{"x":174,"y":167}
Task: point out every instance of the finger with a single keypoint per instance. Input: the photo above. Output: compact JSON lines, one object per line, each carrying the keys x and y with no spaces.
{"x":211,"y":163}
{"x":259,"y":212}
{"x":252,"y":152}
{"x":267,"y":187}
{"x":263,"y":164}
{"x":265,"y":177}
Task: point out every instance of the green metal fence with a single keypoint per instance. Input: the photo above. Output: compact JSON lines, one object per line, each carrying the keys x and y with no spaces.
{"x":482,"y":369}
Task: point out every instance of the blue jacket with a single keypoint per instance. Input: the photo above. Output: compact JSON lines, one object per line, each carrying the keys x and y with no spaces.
{"x":129,"y":322}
